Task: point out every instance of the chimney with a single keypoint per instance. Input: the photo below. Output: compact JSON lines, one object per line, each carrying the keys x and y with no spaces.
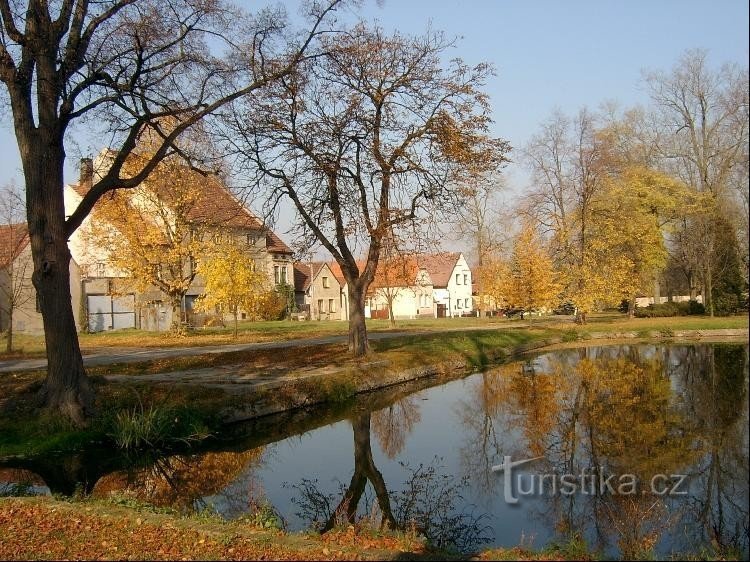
{"x":86,"y":172}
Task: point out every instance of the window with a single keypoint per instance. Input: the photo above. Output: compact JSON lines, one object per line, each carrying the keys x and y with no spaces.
{"x":326,"y":284}
{"x":331,"y":306}
{"x":99,"y":269}
{"x":320,"y":306}
{"x":250,"y":239}
{"x":458,"y":279}
{"x":283,"y":275}
{"x":276,"y":274}
{"x":467,"y":305}
{"x":466,"y":279}
{"x":458,"y":303}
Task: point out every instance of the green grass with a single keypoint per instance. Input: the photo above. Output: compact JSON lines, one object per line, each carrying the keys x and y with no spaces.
{"x":26,"y":345}
{"x":265,"y":331}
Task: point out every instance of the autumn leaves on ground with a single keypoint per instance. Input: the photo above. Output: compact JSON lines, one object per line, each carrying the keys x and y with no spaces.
{"x":106,"y":531}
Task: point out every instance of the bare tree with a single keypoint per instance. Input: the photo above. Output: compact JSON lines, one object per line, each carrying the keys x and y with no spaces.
{"x":701,"y":136}
{"x":566,"y":165}
{"x":368,"y":140}
{"x":15,"y":261}
{"x":483,"y":225}
{"x":125,"y":66}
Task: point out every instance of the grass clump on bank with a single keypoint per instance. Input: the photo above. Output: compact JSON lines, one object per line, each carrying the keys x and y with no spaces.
{"x":157,"y":427}
{"x":129,"y":417}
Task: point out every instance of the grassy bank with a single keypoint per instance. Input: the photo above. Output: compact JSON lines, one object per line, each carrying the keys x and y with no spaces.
{"x":24,"y":431}
{"x":42,"y":528}
{"x":259,"y":332}
{"x":136,"y":408}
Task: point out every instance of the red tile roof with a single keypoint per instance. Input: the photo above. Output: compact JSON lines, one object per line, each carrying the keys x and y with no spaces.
{"x":13,"y":239}
{"x":439,"y":266}
{"x":302,"y":277}
{"x":217,"y":206}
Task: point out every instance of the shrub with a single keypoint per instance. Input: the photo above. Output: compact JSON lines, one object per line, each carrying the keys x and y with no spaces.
{"x":726,"y":304}
{"x":274,"y":306}
{"x":670,"y":309}
{"x":694,"y":307}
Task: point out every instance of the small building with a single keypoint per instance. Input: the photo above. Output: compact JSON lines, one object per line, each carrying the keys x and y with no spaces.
{"x":451,"y":283}
{"x":111,"y":301}
{"x":16,"y":289}
{"x":317,"y":291}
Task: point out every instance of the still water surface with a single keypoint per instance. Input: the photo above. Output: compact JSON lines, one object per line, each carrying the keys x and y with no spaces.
{"x":424,"y":457}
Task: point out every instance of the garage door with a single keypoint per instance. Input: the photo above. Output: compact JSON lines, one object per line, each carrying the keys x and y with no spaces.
{"x":111,"y":313}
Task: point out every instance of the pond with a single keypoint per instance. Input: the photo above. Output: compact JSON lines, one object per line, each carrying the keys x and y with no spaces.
{"x":637,"y":449}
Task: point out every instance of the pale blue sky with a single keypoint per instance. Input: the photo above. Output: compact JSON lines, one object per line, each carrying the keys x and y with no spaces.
{"x":547,"y":53}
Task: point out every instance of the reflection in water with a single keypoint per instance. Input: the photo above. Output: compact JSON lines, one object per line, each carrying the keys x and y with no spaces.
{"x":430,"y":502}
{"x":625,"y":410}
{"x":422,"y":458}
{"x":181,"y":481}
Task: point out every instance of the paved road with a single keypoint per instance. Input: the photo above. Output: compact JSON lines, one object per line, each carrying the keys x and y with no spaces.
{"x":109,"y":355}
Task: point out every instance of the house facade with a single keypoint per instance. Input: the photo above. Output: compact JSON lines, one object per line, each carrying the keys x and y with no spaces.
{"x":403,"y":286}
{"x":18,"y":302}
{"x":451,"y":283}
{"x":418,"y":286}
{"x":110,"y":300}
{"x":318,"y":291}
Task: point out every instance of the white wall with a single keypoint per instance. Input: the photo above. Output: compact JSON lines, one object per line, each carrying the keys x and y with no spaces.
{"x":457,"y":296}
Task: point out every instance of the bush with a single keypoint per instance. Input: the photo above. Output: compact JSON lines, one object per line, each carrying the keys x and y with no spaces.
{"x":694,"y":307}
{"x":670,"y":309}
{"x":726,"y":304}
{"x":274,"y":306}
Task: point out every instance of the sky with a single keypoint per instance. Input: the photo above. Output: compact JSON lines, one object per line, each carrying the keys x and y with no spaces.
{"x":548,"y":54}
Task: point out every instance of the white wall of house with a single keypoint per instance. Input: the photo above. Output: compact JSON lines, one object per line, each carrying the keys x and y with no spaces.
{"x":642,"y":302}
{"x":408,"y":302}
{"x":457,"y":295}
{"x":27,"y":318}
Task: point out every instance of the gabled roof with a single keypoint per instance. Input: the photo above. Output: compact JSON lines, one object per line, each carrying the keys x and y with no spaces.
{"x":400,"y":271}
{"x":13,"y":240}
{"x":303,"y":277}
{"x":217,"y":206}
{"x":439,"y":266}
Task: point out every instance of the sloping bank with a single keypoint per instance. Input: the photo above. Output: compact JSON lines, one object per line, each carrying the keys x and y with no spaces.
{"x":439,"y":356}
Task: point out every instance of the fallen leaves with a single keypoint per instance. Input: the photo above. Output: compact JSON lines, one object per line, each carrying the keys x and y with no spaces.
{"x":43,"y":528}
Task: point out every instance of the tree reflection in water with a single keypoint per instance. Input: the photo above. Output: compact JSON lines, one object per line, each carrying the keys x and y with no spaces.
{"x":637,"y":410}
{"x":181,"y":482}
{"x":430,"y":503}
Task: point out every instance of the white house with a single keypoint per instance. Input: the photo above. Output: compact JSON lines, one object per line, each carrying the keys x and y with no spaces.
{"x":451,"y":283}
{"x":423,"y":285}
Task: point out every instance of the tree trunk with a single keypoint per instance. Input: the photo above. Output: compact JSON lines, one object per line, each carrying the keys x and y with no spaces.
{"x":176,"y":304}
{"x":391,"y":318}
{"x":235,"y":323}
{"x":66,"y":389}
{"x":9,"y":343}
{"x":708,"y":292}
{"x":631,"y":307}
{"x":358,"y":344}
